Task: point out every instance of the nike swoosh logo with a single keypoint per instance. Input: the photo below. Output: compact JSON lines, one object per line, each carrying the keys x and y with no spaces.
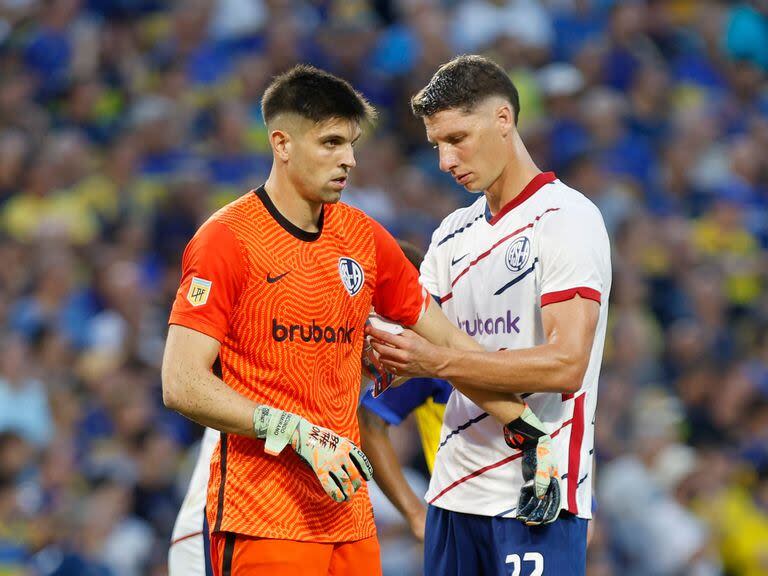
{"x":273,"y":279}
{"x":457,"y":260}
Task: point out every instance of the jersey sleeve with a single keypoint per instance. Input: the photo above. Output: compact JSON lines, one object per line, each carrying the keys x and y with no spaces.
{"x":212,"y":277}
{"x":398,"y":295}
{"x":428,"y":270}
{"x":574,"y":256}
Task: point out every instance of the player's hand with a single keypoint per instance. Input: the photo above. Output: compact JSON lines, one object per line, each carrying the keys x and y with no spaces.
{"x":539,"y":501}
{"x":338,"y":463}
{"x":407,"y":354}
{"x":373,"y":369}
{"x":417,"y":522}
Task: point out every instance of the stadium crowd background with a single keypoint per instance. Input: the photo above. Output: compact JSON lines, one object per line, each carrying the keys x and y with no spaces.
{"x":124,"y":123}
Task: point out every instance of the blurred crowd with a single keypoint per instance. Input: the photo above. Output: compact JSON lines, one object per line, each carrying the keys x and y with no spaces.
{"x":125,"y":123}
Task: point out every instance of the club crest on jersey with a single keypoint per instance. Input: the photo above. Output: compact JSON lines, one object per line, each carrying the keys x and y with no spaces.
{"x":199,"y":290}
{"x":352,"y":275}
{"x":518,"y":253}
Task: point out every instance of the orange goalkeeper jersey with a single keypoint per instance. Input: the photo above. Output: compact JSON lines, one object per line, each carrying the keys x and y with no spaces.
{"x":289,"y":307}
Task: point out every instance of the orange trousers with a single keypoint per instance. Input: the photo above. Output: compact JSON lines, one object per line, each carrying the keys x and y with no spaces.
{"x":237,"y":555}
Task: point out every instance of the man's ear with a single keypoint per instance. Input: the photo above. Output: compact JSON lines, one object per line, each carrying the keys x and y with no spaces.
{"x":280,"y":141}
{"x":505,"y":119}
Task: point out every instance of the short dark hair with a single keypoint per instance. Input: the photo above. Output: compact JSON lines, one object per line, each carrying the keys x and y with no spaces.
{"x":315,"y":95}
{"x":463,"y":83}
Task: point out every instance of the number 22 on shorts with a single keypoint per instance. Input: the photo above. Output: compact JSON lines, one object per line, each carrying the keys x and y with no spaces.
{"x":535,"y":557}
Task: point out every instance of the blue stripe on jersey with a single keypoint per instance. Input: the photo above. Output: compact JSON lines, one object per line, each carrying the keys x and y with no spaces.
{"x":463,"y":427}
{"x":459,"y":230}
{"x":517,"y":278}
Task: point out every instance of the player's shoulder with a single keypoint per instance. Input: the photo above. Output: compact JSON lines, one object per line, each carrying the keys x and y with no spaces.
{"x":573,"y":206}
{"x":571,"y":200}
{"x":231,"y":215}
{"x":459,"y":221}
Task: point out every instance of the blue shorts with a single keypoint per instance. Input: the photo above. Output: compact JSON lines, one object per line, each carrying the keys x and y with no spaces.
{"x":458,"y":544}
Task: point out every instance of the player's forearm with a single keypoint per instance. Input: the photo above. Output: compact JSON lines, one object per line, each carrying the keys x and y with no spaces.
{"x":544,"y":368}
{"x":502,"y":405}
{"x":387,"y":471}
{"x":206,"y":399}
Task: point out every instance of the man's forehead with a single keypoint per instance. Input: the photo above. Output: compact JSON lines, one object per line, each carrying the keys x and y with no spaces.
{"x":342,"y":126}
{"x":441,"y":123}
{"x":445,"y":122}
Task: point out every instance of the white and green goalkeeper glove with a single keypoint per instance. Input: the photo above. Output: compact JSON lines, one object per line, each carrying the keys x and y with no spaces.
{"x":539,"y":501}
{"x":339,"y":465}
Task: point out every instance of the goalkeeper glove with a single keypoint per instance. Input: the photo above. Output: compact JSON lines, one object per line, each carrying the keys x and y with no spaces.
{"x":539,"y":501}
{"x":339,"y":465}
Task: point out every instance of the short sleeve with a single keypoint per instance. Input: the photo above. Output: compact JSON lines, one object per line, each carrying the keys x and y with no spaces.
{"x":398,"y":295}
{"x":574,"y":256}
{"x":212,"y":277}
{"x":428,"y":270}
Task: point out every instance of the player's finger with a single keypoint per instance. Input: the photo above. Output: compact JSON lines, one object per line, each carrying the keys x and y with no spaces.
{"x":361,"y":462}
{"x":331,"y":487}
{"x":387,"y":352}
{"x":396,"y":368}
{"x":526,"y":503}
{"x":340,"y":476}
{"x":395,"y":340}
{"x":354,"y":475}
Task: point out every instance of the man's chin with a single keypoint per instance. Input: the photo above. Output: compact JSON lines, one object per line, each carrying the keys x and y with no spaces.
{"x":473,"y":188}
{"x":331,"y":196}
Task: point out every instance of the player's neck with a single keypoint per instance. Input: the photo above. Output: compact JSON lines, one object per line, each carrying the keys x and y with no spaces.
{"x":291,"y":204}
{"x":518,"y":172}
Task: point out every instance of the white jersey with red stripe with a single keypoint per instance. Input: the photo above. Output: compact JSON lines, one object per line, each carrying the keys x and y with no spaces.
{"x":492,"y":277}
{"x":187,"y":555}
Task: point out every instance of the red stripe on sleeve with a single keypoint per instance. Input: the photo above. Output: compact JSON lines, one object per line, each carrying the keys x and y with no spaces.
{"x":574,"y":452}
{"x":563,"y":295}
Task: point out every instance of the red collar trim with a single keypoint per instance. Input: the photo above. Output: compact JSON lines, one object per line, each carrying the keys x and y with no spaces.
{"x":530,"y":189}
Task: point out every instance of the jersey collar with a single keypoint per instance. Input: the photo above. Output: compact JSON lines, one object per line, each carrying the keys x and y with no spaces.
{"x":530,"y":189}
{"x":286,"y":224}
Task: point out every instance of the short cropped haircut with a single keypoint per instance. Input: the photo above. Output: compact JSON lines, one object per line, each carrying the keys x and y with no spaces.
{"x":463,"y":83}
{"x":315,"y":95}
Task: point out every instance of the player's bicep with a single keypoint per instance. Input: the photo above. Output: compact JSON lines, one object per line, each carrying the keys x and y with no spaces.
{"x":187,"y":352}
{"x":570,"y":325}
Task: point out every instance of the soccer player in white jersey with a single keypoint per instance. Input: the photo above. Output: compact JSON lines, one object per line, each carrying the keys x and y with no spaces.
{"x":526,"y":271}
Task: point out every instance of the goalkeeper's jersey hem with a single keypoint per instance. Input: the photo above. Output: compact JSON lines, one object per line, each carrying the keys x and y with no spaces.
{"x":279,"y":535}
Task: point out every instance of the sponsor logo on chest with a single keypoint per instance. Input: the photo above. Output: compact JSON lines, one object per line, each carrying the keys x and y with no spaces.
{"x":505,"y":324}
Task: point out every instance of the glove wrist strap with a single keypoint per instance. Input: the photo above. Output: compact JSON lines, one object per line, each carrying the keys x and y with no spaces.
{"x":524,"y":431}
{"x":275,"y":426}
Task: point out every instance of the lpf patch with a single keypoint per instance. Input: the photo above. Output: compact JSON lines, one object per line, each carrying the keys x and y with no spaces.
{"x":352,"y":275}
{"x":518,"y":253}
{"x":199,"y":290}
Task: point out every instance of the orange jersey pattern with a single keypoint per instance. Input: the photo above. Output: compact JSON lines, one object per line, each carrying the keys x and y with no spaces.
{"x":289,"y":309}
